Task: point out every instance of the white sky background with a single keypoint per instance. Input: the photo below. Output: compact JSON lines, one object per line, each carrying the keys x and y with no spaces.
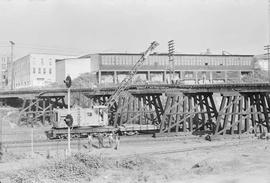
{"x":89,"y":26}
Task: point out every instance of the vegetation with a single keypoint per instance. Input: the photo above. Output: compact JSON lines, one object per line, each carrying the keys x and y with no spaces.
{"x":79,"y":168}
{"x":259,"y":77}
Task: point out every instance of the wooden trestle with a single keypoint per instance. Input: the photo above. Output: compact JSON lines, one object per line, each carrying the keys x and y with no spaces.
{"x":188,"y":112}
{"x":239,"y":112}
{"x":40,"y":109}
{"x":243,"y":113}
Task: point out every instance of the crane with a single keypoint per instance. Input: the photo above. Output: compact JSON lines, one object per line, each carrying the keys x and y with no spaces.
{"x":126,"y":81}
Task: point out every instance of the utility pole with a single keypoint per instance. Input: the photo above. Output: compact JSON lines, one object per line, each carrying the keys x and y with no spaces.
{"x":267,"y":48}
{"x":11,"y":65}
{"x":171,"y":60}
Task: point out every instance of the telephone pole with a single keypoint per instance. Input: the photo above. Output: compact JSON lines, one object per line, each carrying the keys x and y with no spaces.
{"x":171,"y":60}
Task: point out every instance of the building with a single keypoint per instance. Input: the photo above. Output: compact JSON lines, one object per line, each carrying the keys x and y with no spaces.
{"x":35,"y":70}
{"x":4,"y":63}
{"x":189,"y":68}
{"x":72,"y":67}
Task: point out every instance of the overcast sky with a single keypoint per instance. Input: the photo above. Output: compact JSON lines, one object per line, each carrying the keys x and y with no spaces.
{"x":89,"y":26}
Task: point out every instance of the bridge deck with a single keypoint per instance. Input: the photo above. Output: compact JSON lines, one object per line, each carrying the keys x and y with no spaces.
{"x":143,"y":89}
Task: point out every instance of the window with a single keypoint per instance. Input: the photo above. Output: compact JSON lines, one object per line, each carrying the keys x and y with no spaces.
{"x":42,"y":62}
{"x":34,"y":70}
{"x":50,"y":70}
{"x":39,"y":70}
{"x":44,"y":70}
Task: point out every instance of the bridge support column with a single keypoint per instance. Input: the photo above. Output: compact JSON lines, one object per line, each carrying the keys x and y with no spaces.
{"x":188,"y":112}
{"x":243,"y":113}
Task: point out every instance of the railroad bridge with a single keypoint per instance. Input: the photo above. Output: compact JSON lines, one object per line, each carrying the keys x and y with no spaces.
{"x":214,"y":108}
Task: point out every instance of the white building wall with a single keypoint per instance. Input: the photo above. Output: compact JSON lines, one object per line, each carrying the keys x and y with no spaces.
{"x":4,"y":62}
{"x":21,"y":72}
{"x":95,"y":63}
{"x":72,"y":67}
{"x":60,"y":71}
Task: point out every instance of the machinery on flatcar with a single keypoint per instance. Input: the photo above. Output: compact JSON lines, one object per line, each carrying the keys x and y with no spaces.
{"x":85,"y":121}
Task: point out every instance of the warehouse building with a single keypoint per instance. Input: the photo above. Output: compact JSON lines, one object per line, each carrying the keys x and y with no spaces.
{"x":35,"y":70}
{"x":189,"y":68}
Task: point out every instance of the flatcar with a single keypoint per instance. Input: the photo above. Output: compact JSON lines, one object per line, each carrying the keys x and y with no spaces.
{"x":91,"y":121}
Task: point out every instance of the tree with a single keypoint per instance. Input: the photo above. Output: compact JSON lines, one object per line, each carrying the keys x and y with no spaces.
{"x":85,"y":80}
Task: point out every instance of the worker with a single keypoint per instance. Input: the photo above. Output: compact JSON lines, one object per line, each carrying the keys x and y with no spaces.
{"x":111,"y":139}
{"x":100,"y":140}
{"x":90,"y":142}
{"x":117,"y":141}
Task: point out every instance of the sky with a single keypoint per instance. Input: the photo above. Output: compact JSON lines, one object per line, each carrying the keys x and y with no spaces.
{"x":79,"y":27}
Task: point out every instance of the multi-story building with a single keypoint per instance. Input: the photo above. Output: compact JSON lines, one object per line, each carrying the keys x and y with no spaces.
{"x":73,"y":67}
{"x":4,"y":63}
{"x":35,"y":70}
{"x":189,"y":68}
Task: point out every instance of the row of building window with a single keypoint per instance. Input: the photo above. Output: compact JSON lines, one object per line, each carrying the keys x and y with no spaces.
{"x":22,"y":83}
{"x":5,"y":59}
{"x":39,"y":70}
{"x":42,"y":61}
{"x":189,"y":61}
{"x":187,"y":75}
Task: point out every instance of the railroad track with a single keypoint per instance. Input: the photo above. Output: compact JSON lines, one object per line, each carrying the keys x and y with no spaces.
{"x":223,"y":144}
{"x":199,"y":142}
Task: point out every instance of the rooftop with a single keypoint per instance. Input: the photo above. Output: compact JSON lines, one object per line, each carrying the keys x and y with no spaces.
{"x":165,"y":54}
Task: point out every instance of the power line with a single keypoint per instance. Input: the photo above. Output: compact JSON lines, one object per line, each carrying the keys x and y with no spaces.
{"x":48,"y":48}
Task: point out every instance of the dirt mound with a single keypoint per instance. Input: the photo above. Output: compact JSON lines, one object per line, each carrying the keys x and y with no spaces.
{"x":73,"y":169}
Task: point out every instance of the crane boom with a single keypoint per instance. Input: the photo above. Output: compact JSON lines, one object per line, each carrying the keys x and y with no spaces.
{"x":126,"y":81}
